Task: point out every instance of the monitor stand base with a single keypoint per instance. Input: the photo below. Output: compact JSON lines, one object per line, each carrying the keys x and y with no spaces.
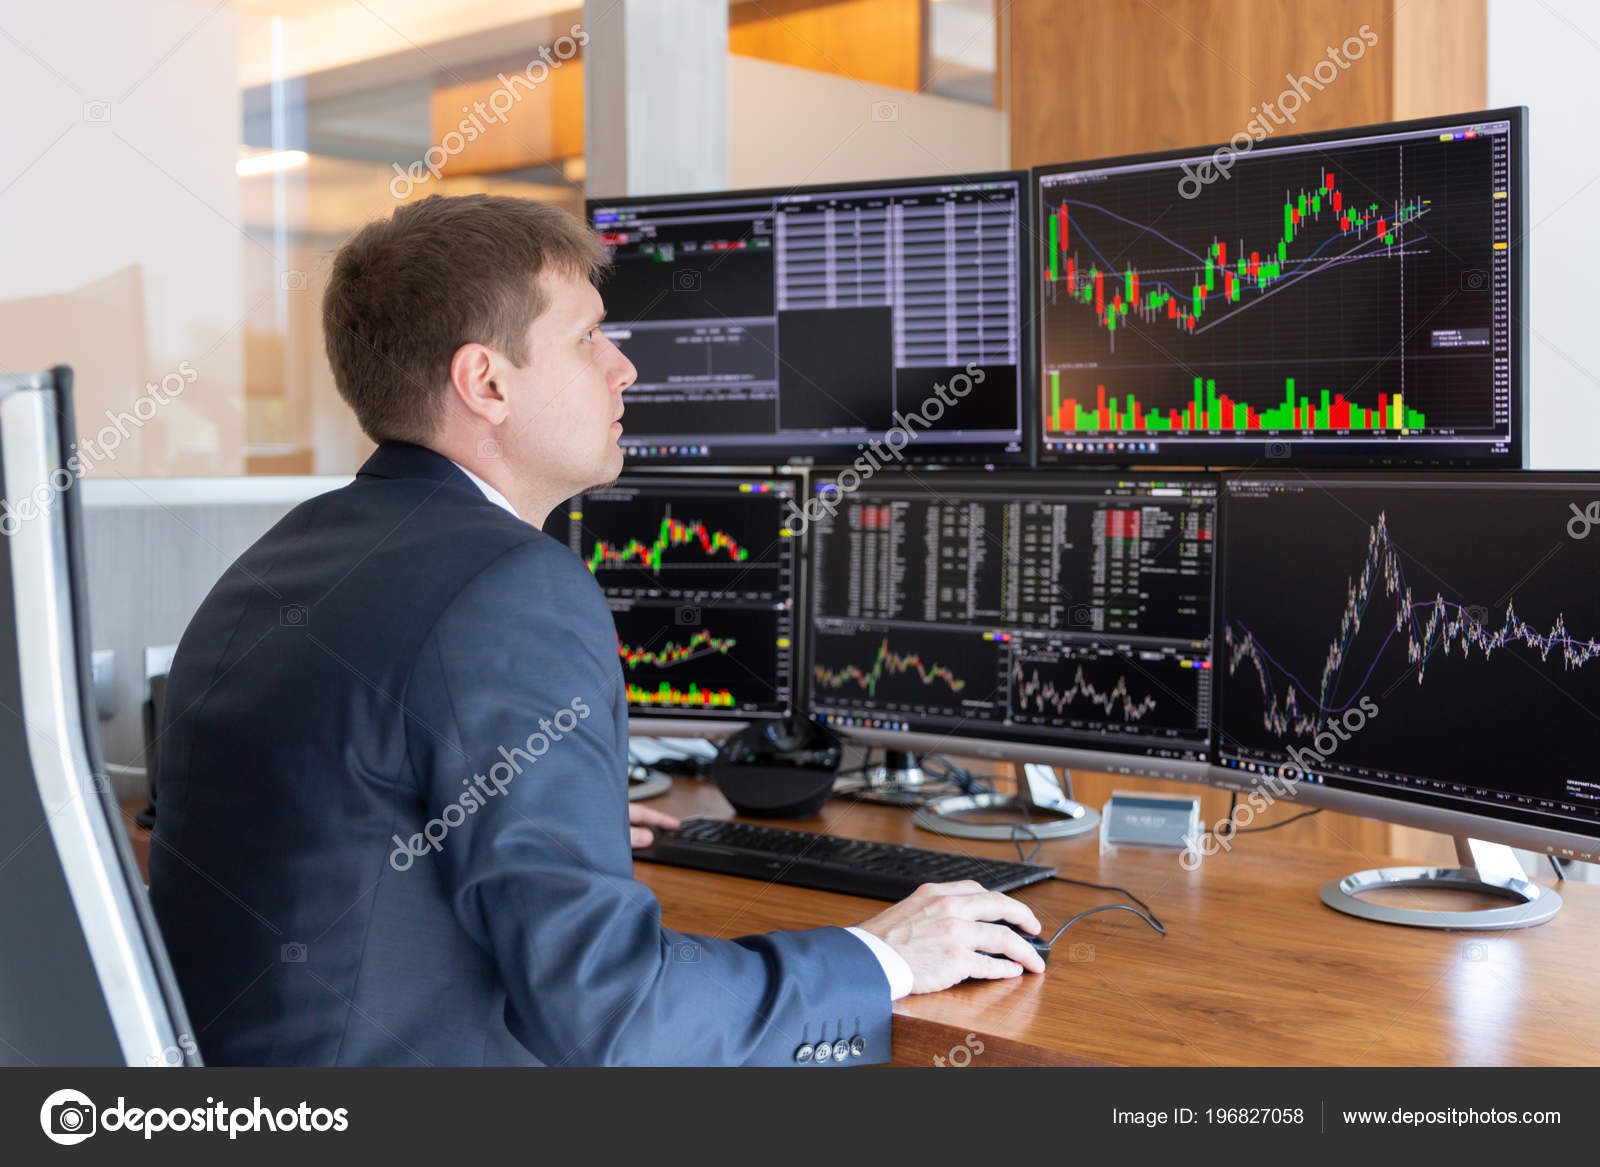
{"x":1487,"y":868}
{"x":651,"y":787}
{"x":1043,"y":807}
{"x":899,"y":780}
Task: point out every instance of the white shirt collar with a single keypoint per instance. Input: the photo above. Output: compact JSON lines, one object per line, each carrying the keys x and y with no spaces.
{"x":489,"y":492}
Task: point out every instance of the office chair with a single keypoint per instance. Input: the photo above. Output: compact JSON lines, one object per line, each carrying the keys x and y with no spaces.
{"x":84,"y":975}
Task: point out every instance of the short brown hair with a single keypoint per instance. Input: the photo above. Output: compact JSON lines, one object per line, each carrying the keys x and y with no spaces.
{"x":408,"y":291}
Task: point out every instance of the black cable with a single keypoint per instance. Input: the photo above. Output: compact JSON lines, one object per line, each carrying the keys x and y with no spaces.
{"x":1122,"y":891}
{"x":943,"y":768}
{"x":1107,"y":908}
{"x":1561,"y":875}
{"x":1147,"y":914}
{"x":1038,"y":843}
{"x":1305,"y":814}
{"x":1234,"y":829}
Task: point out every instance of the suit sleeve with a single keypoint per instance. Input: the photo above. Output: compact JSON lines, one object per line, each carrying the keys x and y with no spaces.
{"x":516,"y":732}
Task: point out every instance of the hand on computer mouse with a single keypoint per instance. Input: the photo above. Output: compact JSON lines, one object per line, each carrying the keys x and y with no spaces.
{"x":1039,"y":943}
{"x":951,"y":932}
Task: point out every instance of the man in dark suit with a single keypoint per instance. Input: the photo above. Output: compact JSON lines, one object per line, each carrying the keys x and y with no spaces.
{"x":394,"y":826}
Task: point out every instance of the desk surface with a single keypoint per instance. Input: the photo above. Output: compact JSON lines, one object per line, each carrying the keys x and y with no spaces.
{"x":1254,"y":970}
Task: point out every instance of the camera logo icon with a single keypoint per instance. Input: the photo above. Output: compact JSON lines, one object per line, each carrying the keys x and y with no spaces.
{"x":293,"y":615}
{"x":1081,"y":952}
{"x":67,"y":1117}
{"x":490,"y":448}
{"x":885,"y":111}
{"x":685,"y":280}
{"x":1081,"y":616}
{"x":293,"y":953}
{"x":97,"y":111}
{"x":1277,"y":449}
{"x":687,"y":615}
{"x":686,"y":952}
{"x":292,"y":281}
{"x":1474,"y":280}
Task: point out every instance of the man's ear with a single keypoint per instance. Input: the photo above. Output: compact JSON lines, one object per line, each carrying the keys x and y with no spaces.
{"x":474,"y":378}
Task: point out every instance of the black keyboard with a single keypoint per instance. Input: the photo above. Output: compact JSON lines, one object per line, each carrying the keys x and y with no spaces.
{"x":882,"y":871}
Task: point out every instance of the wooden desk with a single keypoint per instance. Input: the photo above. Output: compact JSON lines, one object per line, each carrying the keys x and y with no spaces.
{"x":1254,"y":970}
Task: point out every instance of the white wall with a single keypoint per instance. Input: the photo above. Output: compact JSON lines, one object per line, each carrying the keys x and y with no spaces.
{"x":1546,"y":56}
{"x":796,"y":126}
{"x":117,"y":148}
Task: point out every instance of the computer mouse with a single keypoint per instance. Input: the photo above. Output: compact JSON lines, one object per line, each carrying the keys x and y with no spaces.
{"x":1040,"y":944}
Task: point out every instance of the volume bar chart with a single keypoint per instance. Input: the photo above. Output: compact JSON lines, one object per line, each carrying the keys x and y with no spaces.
{"x":1211,"y":412}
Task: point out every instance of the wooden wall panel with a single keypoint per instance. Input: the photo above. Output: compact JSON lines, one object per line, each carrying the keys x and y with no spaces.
{"x":546,"y":125}
{"x":1090,"y":79}
{"x":879,"y":41}
{"x":1441,"y":63}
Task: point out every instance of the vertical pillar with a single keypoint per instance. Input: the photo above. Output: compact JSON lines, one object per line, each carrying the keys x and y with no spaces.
{"x":655,"y":96}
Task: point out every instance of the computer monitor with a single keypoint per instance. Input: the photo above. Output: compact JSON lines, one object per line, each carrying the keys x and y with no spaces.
{"x":1416,"y":647}
{"x":802,"y":325}
{"x":1063,"y":619}
{"x":702,"y":574}
{"x":1349,"y":298}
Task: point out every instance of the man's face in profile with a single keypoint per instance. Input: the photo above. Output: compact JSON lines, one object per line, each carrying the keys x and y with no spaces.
{"x":566,"y":400}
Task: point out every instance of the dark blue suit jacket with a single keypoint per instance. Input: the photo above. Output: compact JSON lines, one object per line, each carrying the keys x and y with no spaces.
{"x":393,"y":823}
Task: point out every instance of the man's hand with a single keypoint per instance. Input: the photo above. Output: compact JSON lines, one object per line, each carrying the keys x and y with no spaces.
{"x":640,"y":818}
{"x":941,"y":931}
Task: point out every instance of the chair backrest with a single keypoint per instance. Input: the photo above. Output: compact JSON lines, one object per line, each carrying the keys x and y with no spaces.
{"x":84,"y":975}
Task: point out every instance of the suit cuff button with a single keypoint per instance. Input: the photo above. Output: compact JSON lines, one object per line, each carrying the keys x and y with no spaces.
{"x":803,"y":1054}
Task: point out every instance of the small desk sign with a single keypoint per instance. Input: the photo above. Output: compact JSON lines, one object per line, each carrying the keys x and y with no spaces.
{"x":1166,"y":822}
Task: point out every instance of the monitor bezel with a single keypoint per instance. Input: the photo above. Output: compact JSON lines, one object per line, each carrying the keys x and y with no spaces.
{"x":842,"y":453}
{"x":1303,"y":453}
{"x":1392,"y":808}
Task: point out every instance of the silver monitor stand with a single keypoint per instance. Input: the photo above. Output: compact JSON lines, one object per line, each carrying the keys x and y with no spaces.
{"x":899,"y":780}
{"x":1490,"y":868}
{"x":1043,"y":802}
{"x":652,"y":787}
